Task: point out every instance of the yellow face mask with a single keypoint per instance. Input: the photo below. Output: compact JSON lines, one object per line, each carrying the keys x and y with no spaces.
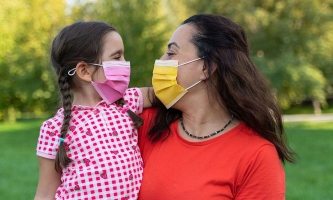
{"x":165,"y":84}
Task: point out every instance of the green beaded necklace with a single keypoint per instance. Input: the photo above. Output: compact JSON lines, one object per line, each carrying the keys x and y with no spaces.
{"x":207,"y":136}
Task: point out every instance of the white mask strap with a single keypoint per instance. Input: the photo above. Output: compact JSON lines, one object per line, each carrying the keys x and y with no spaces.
{"x":95,"y":64}
{"x":190,"y":61}
{"x":71,"y":72}
{"x":193,"y":85}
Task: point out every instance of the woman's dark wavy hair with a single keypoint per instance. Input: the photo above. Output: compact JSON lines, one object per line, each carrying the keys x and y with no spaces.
{"x":236,"y":81}
{"x":81,"y":41}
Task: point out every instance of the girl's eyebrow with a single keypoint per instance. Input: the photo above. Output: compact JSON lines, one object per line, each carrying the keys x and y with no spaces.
{"x":173,"y":43}
{"x":120,"y":51}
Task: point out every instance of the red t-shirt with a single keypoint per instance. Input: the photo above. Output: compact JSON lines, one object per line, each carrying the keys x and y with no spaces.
{"x":238,"y":164}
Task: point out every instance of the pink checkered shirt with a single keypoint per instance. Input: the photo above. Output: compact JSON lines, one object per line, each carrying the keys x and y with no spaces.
{"x":102,"y":142}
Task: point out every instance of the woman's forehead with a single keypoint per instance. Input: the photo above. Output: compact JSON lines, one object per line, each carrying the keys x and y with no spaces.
{"x":182,"y":36}
{"x":182,"y":33}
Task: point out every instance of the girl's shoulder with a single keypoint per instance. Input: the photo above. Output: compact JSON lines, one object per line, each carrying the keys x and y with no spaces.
{"x":132,"y":94}
{"x":55,"y":121}
{"x":134,"y":99}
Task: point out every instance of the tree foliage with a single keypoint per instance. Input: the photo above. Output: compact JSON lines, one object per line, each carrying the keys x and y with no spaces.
{"x":26,"y":31}
{"x":142,"y":27}
{"x":291,"y":43}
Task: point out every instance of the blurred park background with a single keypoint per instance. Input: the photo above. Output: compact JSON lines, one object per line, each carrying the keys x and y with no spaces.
{"x":291,"y":43}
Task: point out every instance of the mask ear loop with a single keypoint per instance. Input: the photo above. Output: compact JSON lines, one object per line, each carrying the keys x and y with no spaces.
{"x":71,"y":72}
{"x":190,"y":61}
{"x":99,"y":65}
{"x":95,"y":64}
{"x":193,"y":85}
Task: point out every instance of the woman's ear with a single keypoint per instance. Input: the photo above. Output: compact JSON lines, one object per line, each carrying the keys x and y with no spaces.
{"x":84,"y":71}
{"x":205,"y":74}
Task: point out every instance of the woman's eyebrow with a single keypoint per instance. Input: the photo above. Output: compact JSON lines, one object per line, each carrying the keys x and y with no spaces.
{"x":173,"y":43}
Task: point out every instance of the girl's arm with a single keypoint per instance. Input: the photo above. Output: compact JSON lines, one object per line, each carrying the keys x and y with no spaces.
{"x":147,"y":95}
{"x":49,"y":180}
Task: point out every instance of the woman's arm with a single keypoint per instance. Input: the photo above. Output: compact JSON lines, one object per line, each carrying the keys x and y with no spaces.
{"x":49,"y":180}
{"x":147,"y":96}
{"x":263,"y":177}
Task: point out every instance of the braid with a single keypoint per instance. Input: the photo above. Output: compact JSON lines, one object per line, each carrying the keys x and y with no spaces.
{"x":137,"y":120}
{"x":80,"y":41}
{"x":62,"y":160}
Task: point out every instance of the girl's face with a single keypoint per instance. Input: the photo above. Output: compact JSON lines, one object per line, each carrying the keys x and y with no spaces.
{"x":113,"y":49}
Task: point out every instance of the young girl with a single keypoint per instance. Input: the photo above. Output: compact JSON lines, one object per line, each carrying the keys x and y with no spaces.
{"x":88,"y":150}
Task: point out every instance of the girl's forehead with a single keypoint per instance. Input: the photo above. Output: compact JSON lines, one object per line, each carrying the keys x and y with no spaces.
{"x":113,"y":39}
{"x":112,"y":44}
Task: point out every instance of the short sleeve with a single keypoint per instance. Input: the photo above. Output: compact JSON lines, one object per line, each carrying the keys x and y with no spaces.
{"x":134,"y":99}
{"x":263,"y":177}
{"x":47,"y":145}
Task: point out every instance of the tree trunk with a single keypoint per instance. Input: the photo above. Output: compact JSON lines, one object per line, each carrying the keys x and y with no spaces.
{"x":316,"y":107}
{"x":10,"y":115}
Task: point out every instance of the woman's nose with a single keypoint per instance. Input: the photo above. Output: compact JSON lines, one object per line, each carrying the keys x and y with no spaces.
{"x":164,"y":57}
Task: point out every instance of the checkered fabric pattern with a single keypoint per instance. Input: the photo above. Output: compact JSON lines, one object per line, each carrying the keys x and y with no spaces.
{"x":102,"y":142}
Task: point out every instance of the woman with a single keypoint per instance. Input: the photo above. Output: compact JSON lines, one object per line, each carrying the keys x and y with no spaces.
{"x":217,"y":132}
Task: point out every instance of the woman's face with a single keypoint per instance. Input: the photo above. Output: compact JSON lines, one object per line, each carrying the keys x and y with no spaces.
{"x":180,"y":48}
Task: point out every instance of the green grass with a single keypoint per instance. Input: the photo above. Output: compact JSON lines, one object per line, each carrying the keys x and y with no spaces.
{"x":311,"y":178}
{"x":18,"y":160}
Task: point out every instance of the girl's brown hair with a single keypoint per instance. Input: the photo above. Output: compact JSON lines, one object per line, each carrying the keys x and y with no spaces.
{"x":81,"y":41}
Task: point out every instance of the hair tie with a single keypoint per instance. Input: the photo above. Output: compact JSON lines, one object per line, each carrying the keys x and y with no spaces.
{"x":61,"y":140}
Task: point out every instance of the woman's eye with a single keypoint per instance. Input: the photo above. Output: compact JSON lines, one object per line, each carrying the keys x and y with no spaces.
{"x":170,"y":54}
{"x":117,"y":58}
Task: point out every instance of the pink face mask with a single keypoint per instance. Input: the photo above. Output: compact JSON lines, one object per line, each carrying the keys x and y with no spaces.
{"x":117,"y":75}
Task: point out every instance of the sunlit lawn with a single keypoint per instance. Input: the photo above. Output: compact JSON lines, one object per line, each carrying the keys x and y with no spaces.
{"x":310,"y":179}
{"x":18,"y":163}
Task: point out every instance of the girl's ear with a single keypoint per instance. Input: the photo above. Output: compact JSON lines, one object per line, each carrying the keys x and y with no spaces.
{"x":84,"y":71}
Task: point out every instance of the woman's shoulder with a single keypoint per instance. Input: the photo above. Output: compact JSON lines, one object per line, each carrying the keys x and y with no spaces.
{"x":250,"y":140}
{"x":148,"y":113}
{"x":252,"y":148}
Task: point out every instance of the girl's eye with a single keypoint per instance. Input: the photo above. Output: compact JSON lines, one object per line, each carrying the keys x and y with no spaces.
{"x":170,"y":54}
{"x":117,"y":58}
